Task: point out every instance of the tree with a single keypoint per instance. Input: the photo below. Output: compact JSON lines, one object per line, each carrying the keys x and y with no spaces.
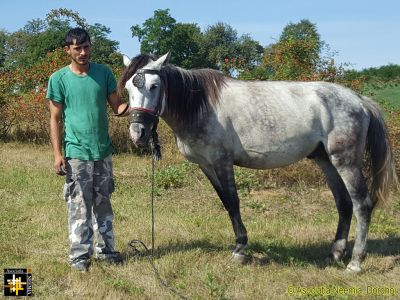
{"x":192,"y":48}
{"x":28,"y":45}
{"x":161,"y":34}
{"x":218,"y":43}
{"x":298,"y":55}
{"x":3,"y":47}
{"x":228,"y":52}
{"x":41,"y":38}
{"x":302,"y":31}
{"x":297,"y":52}
{"x":155,"y":34}
{"x":250,"y":51}
{"x":104,"y":49}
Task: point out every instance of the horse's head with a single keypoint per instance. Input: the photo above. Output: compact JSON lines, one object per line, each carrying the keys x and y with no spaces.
{"x":146,"y":98}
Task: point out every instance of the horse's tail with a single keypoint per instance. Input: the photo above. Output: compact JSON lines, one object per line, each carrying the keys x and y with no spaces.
{"x":380,"y":157}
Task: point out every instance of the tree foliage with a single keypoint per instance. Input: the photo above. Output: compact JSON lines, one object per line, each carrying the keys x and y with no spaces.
{"x":296,"y":55}
{"x":38,"y":37}
{"x":299,"y":54}
{"x":27,"y":59}
{"x":30,"y":55}
{"x":155,"y":33}
{"x":385,"y":73}
{"x":22,"y":98}
{"x":161,"y":34}
{"x":192,"y":48}
{"x":3,"y":47}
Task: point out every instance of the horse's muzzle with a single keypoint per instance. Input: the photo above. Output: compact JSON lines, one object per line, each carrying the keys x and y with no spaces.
{"x":139,"y":134}
{"x":142,"y":121}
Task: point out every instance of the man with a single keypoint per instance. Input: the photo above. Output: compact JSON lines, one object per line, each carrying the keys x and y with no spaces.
{"x":78,"y":96}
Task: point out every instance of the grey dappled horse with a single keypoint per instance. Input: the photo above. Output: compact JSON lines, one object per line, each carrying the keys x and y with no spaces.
{"x":220,"y":122}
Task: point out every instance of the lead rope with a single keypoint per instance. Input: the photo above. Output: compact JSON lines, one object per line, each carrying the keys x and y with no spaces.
{"x":156,"y":155}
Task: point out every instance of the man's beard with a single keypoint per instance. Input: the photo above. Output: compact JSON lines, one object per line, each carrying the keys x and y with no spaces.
{"x":82,"y":62}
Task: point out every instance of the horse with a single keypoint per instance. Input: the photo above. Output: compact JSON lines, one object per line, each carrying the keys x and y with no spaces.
{"x":220,"y":122}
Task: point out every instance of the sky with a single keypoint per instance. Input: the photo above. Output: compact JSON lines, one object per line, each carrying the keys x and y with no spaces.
{"x":365,"y":33}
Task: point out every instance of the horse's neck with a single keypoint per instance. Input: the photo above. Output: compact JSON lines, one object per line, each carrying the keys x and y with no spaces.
{"x":182,"y":129}
{"x":176,"y":126}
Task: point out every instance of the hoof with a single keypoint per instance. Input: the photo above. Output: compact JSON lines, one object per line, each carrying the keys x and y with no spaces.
{"x":338,"y":255}
{"x":239,"y":258}
{"x":339,"y":250}
{"x":353,"y":268}
{"x":331,"y":261}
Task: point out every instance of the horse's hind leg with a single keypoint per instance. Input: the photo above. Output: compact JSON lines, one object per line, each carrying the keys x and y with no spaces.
{"x":343,"y":202}
{"x":222,"y":178}
{"x":348,"y":163}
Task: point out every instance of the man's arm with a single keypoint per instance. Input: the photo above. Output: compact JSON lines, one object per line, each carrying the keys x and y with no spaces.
{"x":119,"y":108}
{"x":55,"y":136}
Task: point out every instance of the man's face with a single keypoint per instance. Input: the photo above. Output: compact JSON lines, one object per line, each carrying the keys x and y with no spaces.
{"x":80,"y":54}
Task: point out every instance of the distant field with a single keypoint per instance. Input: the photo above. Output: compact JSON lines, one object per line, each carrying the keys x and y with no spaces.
{"x":388,"y":95}
{"x":291,"y":225}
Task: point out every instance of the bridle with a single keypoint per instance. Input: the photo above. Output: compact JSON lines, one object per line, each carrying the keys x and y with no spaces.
{"x":144,"y":115}
{"x":149,"y":116}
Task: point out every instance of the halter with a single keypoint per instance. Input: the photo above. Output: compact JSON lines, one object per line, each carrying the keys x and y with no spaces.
{"x":149,"y":116}
{"x":144,"y":115}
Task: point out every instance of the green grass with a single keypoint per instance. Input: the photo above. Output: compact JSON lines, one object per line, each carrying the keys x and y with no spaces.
{"x":290,"y":223}
{"x":387,"y":94}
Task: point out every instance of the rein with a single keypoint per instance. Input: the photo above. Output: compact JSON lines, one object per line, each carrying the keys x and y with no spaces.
{"x":144,"y":115}
{"x":133,"y":244}
{"x":150,"y":258}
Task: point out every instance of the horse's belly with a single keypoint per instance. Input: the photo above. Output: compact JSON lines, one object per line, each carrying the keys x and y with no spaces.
{"x":275,"y":156}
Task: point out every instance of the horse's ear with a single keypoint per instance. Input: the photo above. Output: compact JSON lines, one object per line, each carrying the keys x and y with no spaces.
{"x":127,"y":60}
{"x":157,"y":64}
{"x":165,"y":58}
{"x":161,"y":61}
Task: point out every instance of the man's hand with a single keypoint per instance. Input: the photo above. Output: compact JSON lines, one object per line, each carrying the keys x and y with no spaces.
{"x":119,"y":108}
{"x":59,"y":166}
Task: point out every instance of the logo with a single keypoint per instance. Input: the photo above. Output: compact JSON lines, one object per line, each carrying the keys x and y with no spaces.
{"x":17,"y":282}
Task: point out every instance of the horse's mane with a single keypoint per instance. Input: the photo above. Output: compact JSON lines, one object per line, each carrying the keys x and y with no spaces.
{"x":190,"y":92}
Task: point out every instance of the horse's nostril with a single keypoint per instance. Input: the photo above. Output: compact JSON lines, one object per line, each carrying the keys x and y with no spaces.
{"x":142,"y":133}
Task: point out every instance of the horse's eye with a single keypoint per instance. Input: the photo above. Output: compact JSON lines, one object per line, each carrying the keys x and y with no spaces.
{"x":153,"y":87}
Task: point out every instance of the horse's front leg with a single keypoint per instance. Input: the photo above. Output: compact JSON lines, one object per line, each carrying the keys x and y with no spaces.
{"x":222,"y":178}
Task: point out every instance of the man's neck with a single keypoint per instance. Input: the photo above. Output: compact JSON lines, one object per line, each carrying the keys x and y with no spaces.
{"x":79,"y":69}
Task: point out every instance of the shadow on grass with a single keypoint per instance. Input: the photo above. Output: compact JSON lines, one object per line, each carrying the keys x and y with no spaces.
{"x":138,"y":250}
{"x":263,"y":253}
{"x":315,"y":254}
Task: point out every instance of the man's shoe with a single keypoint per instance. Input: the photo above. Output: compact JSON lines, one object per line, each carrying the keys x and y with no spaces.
{"x":81,"y":265}
{"x":111,"y":258}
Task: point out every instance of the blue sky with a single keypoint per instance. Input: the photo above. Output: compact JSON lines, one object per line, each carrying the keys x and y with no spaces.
{"x":365,"y":33}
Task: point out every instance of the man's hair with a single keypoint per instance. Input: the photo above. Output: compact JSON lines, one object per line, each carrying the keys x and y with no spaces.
{"x":80,"y":35}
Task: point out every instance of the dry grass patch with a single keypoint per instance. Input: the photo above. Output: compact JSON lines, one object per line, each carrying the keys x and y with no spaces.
{"x":291,"y":224}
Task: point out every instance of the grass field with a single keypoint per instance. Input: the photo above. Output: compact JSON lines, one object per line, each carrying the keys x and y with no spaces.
{"x":386,"y":94}
{"x":291,"y":225}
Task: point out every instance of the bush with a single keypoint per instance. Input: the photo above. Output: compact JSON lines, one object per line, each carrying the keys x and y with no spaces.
{"x":24,"y":113}
{"x":172,"y":176}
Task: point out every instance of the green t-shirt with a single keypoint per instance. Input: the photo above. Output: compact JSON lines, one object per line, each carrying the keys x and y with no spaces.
{"x":84,"y":100}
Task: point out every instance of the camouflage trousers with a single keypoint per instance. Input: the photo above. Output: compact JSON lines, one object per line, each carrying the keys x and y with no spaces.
{"x":87,"y":190}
